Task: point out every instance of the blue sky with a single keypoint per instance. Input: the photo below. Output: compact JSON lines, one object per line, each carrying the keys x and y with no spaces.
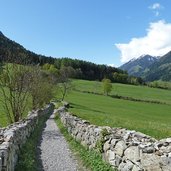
{"x":100,"y":31}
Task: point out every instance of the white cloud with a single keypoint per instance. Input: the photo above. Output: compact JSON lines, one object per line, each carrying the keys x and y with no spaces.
{"x":112,"y":65}
{"x":157,"y":42}
{"x":155,"y":6}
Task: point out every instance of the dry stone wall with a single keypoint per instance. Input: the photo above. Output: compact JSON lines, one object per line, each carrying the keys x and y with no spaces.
{"x":14,"y":136}
{"x":123,"y":149}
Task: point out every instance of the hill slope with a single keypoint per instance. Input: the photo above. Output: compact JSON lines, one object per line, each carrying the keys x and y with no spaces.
{"x":12,"y":51}
{"x":160,"y":70}
{"x":138,"y":67}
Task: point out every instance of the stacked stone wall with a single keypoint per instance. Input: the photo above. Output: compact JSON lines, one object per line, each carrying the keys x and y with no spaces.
{"x":14,"y":136}
{"x":124,"y":149}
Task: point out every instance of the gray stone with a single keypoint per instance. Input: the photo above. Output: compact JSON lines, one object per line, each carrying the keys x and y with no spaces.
{"x":149,"y":150}
{"x":0,"y":163}
{"x":126,"y":166}
{"x":132,"y":153}
{"x":139,"y":135}
{"x":166,"y":161}
{"x":120,"y":147}
{"x":106,"y":146}
{"x":168,"y":140}
{"x":118,"y":160}
{"x":113,"y":142}
{"x":166,"y":168}
{"x":111,"y":157}
{"x":136,"y":168}
{"x":150,"y":162}
{"x":97,"y":131}
{"x":78,"y":137}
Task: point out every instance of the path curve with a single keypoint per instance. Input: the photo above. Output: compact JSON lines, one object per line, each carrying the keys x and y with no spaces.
{"x":55,"y":154}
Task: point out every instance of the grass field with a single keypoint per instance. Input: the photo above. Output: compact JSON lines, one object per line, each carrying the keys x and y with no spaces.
{"x":149,"y":118}
{"x":138,"y":92}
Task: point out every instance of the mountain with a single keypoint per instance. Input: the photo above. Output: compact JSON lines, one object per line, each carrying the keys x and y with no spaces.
{"x":139,"y":66}
{"x":160,"y":70}
{"x":12,"y":51}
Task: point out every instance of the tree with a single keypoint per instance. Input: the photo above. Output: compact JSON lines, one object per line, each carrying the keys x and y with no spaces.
{"x":41,"y":88}
{"x":107,"y":86}
{"x":64,"y":81}
{"x":14,"y":85}
{"x":21,"y":83}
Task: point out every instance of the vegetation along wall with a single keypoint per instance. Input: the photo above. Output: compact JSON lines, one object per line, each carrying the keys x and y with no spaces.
{"x":14,"y":136}
{"x":123,"y":149}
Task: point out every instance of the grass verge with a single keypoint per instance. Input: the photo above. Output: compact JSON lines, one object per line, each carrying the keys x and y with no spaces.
{"x":90,"y":159}
{"x":28,"y":156}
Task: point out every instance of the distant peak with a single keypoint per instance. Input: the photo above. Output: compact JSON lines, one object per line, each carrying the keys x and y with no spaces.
{"x":144,"y":55}
{"x":1,"y":33}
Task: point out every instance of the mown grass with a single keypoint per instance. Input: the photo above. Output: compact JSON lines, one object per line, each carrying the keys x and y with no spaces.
{"x":137,"y":92}
{"x":90,"y":159}
{"x":151,"y":119}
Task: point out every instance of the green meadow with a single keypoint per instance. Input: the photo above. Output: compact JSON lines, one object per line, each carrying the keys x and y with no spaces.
{"x":125,"y":90}
{"x":149,"y":118}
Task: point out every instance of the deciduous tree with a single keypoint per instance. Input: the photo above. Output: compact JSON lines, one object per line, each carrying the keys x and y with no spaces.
{"x":107,"y":86}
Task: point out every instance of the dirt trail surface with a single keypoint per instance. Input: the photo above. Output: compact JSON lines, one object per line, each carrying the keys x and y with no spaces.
{"x":55,"y":154}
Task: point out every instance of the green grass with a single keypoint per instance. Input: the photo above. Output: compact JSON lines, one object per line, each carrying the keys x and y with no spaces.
{"x":149,"y":118}
{"x":137,"y":92}
{"x":89,"y":158}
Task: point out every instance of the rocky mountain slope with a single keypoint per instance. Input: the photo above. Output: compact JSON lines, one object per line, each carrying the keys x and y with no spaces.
{"x":138,"y":67}
{"x":160,"y":70}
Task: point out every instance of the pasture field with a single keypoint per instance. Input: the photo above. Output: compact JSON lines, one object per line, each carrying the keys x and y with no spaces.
{"x":149,"y":118}
{"x":125,"y":90}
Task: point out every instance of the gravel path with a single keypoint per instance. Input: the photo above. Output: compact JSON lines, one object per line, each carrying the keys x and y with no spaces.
{"x":54,"y":151}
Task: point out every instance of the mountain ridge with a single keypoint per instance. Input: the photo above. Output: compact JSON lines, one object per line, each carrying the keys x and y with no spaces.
{"x":150,"y":68}
{"x":138,"y":66}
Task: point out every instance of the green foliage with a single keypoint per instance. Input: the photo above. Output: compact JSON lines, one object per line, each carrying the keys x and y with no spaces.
{"x":126,"y":79}
{"x":14,"y":52}
{"x":41,"y":89}
{"x":100,"y":143}
{"x":89,"y":158}
{"x":11,"y":51}
{"x":160,"y":84}
{"x":14,"y":86}
{"x":86,"y":70}
{"x":107,"y":86}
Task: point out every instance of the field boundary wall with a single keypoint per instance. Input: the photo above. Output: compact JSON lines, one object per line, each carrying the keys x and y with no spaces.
{"x":126,"y":150}
{"x":13,"y":137}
